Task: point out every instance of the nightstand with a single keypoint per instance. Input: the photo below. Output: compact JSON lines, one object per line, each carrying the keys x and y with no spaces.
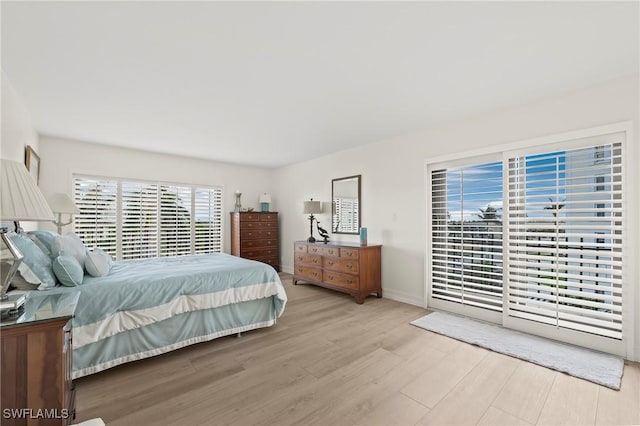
{"x":36,"y":362}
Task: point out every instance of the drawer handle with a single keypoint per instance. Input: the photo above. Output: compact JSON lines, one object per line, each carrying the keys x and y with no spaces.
{"x":331,"y":277}
{"x":330,"y":251}
{"x":330,"y":263}
{"x":349,"y":281}
{"x":349,"y":253}
{"x":349,"y":266}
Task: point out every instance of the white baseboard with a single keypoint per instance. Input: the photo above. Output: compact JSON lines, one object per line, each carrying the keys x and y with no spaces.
{"x":403,"y":297}
{"x":287,"y":268}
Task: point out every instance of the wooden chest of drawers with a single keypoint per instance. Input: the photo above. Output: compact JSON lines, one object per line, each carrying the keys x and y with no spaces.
{"x":254,"y":235}
{"x":36,"y":362}
{"x":350,"y":268}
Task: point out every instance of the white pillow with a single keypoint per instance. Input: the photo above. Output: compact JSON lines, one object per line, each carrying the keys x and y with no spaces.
{"x":98,"y":263}
{"x":69,"y":244}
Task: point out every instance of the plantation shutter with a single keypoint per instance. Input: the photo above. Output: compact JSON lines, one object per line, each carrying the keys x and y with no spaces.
{"x":96,"y":224}
{"x":175,"y":220}
{"x":208,"y":220}
{"x":139,"y":220}
{"x":565,"y":238}
{"x":466,"y":235}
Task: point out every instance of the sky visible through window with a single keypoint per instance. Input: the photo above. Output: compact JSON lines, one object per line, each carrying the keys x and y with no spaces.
{"x":473,"y":191}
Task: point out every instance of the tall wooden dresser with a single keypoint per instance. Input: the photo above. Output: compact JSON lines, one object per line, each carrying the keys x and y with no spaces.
{"x":350,"y":268}
{"x":254,"y":235}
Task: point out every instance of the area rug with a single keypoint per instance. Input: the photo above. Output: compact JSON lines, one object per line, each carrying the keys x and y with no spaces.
{"x":603,"y":369}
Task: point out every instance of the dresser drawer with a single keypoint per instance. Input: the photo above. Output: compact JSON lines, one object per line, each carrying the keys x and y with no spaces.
{"x":349,"y":253}
{"x":273,"y":261}
{"x":312,"y":248}
{"x":269,"y":217}
{"x":340,"y":265}
{"x":247,"y":244}
{"x":351,"y":282}
{"x":300,"y":248}
{"x":256,"y":233}
{"x":306,"y":272}
{"x":258,"y":253}
{"x":330,"y":251}
{"x":308,"y":259}
{"x":272,"y":226}
{"x":249,"y":217}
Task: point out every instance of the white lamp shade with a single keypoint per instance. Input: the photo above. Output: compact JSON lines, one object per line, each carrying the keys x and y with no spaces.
{"x":311,"y":207}
{"x":265,"y":198}
{"x":62,"y":203}
{"x":20,"y":197}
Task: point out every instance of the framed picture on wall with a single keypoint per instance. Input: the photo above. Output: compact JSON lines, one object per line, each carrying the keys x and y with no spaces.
{"x":32,"y":161}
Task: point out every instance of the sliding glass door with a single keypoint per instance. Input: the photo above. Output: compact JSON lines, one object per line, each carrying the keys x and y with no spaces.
{"x":532,"y":240}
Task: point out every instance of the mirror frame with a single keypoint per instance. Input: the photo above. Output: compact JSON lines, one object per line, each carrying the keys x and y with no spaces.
{"x":333,"y":206}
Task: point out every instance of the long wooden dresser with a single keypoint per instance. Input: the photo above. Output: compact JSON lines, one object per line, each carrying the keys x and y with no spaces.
{"x":254,"y":235}
{"x":350,"y":268}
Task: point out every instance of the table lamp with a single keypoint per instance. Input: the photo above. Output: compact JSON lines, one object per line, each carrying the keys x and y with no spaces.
{"x":265,"y":200}
{"x":20,"y":199}
{"x":62,"y":204}
{"x":311,"y":207}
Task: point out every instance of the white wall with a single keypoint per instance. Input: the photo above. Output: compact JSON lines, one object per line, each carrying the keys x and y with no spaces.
{"x":393,"y":178}
{"x":60,"y":158}
{"x":17,"y":130}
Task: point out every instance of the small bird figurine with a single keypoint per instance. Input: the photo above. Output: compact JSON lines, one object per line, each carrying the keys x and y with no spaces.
{"x":323,"y":232}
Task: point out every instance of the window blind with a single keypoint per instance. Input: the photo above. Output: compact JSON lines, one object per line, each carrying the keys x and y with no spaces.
{"x":565,"y":239}
{"x":96,"y":225}
{"x":135,"y":219}
{"x":175,"y":220}
{"x":208,"y":220}
{"x":466,"y":236}
{"x":139,"y":220}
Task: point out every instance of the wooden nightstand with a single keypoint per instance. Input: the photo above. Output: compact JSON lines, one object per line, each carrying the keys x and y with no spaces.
{"x":36,"y":362}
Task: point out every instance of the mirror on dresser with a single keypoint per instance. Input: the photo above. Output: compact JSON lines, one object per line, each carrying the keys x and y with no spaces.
{"x":345,"y":201}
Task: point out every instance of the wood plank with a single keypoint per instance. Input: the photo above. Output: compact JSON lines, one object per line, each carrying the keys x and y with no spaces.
{"x":472,"y":396}
{"x":571,"y":401}
{"x":526,"y":391}
{"x":621,"y":407}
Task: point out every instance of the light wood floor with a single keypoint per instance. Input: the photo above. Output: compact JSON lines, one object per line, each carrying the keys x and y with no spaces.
{"x":329,"y":361}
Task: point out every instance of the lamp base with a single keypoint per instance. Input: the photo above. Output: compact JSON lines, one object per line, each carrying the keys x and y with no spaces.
{"x":13,"y":302}
{"x":311,"y":239}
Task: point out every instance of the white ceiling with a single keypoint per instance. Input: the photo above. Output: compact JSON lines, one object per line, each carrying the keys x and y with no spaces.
{"x":272,"y":83}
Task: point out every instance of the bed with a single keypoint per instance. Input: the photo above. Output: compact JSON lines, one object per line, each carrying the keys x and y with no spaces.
{"x":148,"y":307}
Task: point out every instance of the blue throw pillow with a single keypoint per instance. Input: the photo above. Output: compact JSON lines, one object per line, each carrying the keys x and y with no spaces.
{"x":36,"y":267}
{"x":46,"y":239}
{"x":68,"y":270}
{"x":98,"y":263}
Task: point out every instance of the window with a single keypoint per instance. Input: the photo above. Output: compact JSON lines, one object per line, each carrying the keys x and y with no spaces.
{"x":534,"y":240}
{"x":565,"y":256}
{"x":135,"y":219}
{"x":467,"y":235}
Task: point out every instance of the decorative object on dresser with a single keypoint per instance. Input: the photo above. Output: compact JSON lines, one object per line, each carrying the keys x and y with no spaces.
{"x":345,"y":267}
{"x":20,"y":199}
{"x":323,"y":233}
{"x":265,"y":200}
{"x":254,"y":236}
{"x":36,"y":361}
{"x":61,"y":204}
{"x":311,"y":207}
{"x":238,"y":206}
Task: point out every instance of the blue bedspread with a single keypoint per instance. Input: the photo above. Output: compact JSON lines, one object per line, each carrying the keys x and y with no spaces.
{"x":141,"y":292}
